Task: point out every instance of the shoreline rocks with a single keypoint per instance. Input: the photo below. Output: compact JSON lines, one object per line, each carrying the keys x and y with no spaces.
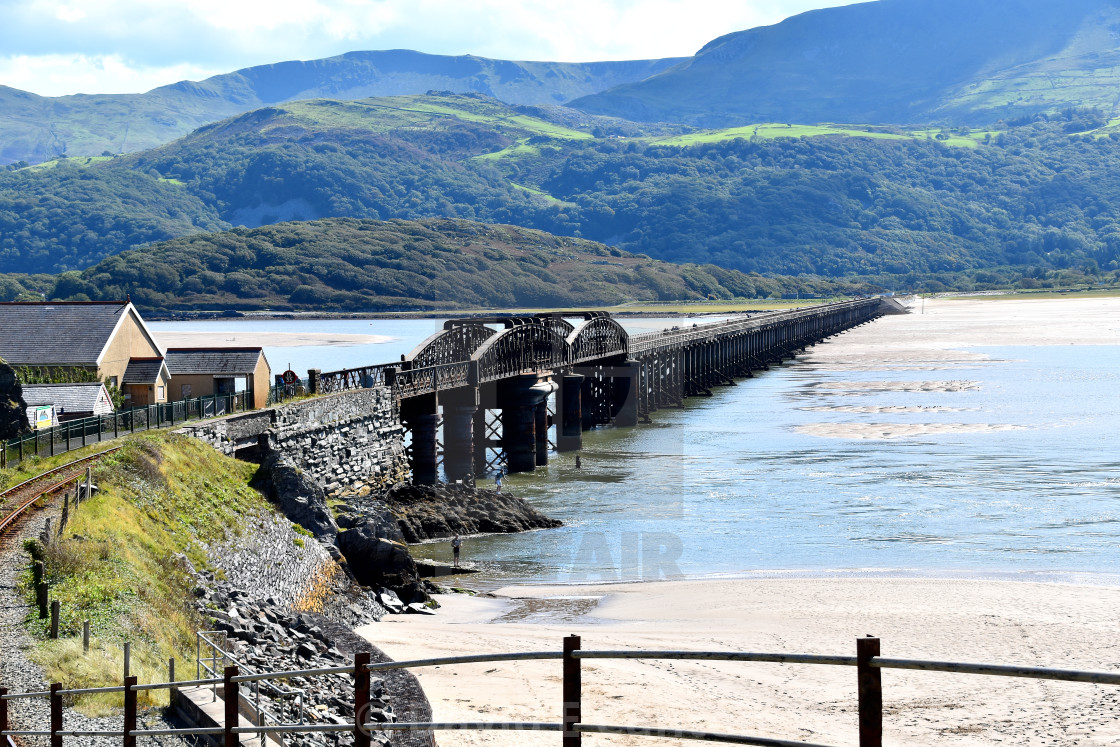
{"x":425,"y":512}
{"x":299,"y":497}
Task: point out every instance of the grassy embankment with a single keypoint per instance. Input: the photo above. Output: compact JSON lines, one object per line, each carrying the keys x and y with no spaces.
{"x":162,"y":495}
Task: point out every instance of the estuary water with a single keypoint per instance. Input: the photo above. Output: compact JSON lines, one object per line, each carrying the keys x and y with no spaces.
{"x":980,"y":460}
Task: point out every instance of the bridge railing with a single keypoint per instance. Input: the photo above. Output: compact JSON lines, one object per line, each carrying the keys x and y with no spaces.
{"x":365,"y":377}
{"x":430,"y":379}
{"x":867,"y":662}
{"x":511,"y":357}
{"x":678,"y":336}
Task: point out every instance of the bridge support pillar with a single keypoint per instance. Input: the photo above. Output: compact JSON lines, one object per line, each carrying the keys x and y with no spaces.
{"x":569,"y":431}
{"x":624,"y":391}
{"x":541,"y":427}
{"x":419,"y":415}
{"x":459,"y":435}
{"x":520,"y":399}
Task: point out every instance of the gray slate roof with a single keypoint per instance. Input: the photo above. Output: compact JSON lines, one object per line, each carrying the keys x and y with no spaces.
{"x":70,"y":397}
{"x":233,"y":361}
{"x":56,"y":333}
{"x":142,"y":371}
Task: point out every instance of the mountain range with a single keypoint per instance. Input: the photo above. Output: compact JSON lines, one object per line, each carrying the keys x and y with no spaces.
{"x":39,"y":128}
{"x":897,"y":61}
{"x":941,"y":62}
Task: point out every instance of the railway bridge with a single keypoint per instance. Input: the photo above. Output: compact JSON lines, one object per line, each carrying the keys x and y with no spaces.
{"x":489,"y":381}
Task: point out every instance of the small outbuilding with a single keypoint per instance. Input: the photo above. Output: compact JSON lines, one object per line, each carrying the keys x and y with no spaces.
{"x":201,"y":372}
{"x":51,"y":404}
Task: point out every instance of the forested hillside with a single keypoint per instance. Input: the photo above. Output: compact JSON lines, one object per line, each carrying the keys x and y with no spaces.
{"x":344,"y":264}
{"x":885,"y":203}
{"x":72,"y":215}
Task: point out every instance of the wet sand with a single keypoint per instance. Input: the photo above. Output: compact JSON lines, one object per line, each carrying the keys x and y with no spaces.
{"x":935,"y":341}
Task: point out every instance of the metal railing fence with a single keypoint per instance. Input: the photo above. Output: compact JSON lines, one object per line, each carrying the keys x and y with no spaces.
{"x":74,"y":434}
{"x":265,"y":695}
{"x":867,"y":662}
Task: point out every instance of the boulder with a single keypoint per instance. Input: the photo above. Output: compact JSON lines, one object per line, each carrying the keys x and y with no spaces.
{"x":13,"y":410}
{"x":298,"y":496}
{"x":441,"y":511}
{"x":376,"y":561}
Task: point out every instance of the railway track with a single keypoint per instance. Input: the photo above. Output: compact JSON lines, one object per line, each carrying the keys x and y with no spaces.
{"x":15,"y":501}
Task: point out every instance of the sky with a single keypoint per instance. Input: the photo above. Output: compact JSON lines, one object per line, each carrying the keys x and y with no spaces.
{"x":59,"y":47}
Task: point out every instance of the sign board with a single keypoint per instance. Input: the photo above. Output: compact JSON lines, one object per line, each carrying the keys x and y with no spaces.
{"x":44,"y":417}
{"x":290,"y":377}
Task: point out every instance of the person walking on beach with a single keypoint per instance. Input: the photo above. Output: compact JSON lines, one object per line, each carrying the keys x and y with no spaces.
{"x":498,"y":481}
{"x":456,"y":544}
{"x":579,"y":464}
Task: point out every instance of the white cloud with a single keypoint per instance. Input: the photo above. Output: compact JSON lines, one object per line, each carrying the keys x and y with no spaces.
{"x":65,"y":46}
{"x":61,"y":74}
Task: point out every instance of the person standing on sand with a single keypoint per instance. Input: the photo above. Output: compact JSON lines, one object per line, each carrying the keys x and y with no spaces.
{"x":456,"y":544}
{"x":579,"y":464}
{"x":498,"y":481}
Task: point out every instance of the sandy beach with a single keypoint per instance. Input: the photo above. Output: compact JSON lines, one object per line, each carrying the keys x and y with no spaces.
{"x":978,"y":619}
{"x":232,"y":339}
{"x":983,"y":621}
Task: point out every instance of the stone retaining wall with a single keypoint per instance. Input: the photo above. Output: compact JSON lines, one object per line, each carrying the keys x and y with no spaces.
{"x":341,"y":439}
{"x":269,"y":559}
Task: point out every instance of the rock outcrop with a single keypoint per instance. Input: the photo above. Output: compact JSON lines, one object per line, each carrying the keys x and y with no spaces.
{"x":440,"y":511}
{"x":377,"y":561}
{"x":13,"y":410}
{"x":297,"y":495}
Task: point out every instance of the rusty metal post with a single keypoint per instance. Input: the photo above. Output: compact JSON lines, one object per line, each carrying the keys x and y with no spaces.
{"x":870,"y":693}
{"x":55,"y":611}
{"x":229,"y":690}
{"x":85,"y":636}
{"x":573,"y":710}
{"x":129,"y":712}
{"x":4,"y":726}
{"x":361,"y":699}
{"x":173,"y":691}
{"x":56,"y":715}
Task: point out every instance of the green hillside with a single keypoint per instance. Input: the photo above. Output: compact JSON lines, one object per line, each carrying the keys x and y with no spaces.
{"x":344,"y":264}
{"x":825,"y":200}
{"x":891,"y":61}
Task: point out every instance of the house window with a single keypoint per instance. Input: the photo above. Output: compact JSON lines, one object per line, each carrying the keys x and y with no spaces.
{"x":112,"y":381}
{"x":159,"y":392}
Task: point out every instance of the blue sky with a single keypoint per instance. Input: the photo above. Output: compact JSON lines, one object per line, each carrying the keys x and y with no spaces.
{"x":57,"y":47}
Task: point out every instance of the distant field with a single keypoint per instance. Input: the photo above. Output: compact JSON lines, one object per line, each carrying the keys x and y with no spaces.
{"x":1033,"y":294}
{"x":82,"y":161}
